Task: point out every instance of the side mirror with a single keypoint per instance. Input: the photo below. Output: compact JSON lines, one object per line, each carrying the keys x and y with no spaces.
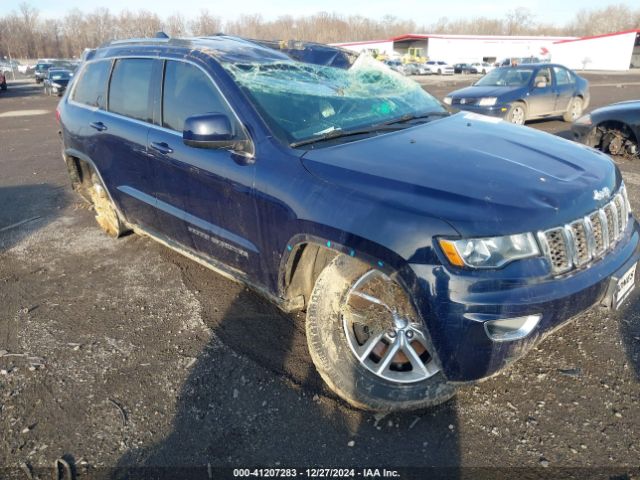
{"x":210,"y":130}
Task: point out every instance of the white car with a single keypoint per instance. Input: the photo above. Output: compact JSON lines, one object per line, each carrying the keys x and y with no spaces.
{"x":439,"y":67}
{"x":481,"y":67}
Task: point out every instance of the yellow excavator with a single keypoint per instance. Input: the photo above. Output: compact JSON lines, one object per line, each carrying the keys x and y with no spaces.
{"x":414,"y":55}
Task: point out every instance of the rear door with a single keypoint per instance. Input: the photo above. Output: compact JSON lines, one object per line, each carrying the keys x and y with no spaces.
{"x":121,"y":139}
{"x":205,"y":196}
{"x":564,"y":88}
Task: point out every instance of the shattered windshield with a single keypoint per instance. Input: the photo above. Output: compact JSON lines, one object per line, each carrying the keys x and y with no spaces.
{"x":506,"y":77}
{"x":302,"y":101}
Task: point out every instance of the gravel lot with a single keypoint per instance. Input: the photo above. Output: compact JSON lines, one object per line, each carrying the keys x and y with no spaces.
{"x":122,"y":352}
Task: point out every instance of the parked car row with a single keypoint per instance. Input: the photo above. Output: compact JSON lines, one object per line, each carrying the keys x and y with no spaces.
{"x":432,"y":67}
{"x":43,"y":66}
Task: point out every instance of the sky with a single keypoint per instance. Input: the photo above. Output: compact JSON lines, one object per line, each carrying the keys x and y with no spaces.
{"x":423,"y":12}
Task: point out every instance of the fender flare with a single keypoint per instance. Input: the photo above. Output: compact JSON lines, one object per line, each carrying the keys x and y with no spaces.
{"x":71,"y":152}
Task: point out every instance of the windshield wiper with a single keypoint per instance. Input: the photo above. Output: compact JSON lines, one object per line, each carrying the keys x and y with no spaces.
{"x":422,"y":116}
{"x":385,"y":127}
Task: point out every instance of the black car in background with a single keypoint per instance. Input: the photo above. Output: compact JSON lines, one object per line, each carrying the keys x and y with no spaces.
{"x":42,"y":67}
{"x":463,"y":68}
{"x":40,"y":71}
{"x":614,"y":129}
{"x":56,"y":81}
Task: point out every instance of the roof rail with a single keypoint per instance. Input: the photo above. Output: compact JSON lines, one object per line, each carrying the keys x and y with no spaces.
{"x":136,"y":40}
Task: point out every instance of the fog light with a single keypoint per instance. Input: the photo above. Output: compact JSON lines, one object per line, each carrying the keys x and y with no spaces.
{"x":509,"y":329}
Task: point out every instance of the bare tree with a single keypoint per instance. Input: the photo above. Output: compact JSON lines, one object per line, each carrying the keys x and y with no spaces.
{"x":26,"y":34}
{"x":205,"y":24}
{"x":176,"y":26}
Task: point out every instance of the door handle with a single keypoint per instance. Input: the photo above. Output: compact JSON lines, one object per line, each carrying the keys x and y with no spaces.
{"x":101,"y":127}
{"x":161,"y":147}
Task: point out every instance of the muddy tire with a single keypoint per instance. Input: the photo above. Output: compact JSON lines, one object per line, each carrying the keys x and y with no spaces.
{"x":517,"y":113}
{"x":374,"y":357}
{"x":574,"y":111}
{"x":106,"y":214}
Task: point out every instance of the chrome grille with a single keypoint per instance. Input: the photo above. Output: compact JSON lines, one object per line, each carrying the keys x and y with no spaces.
{"x":588,"y":238}
{"x":581,"y":244}
{"x":598,"y":234}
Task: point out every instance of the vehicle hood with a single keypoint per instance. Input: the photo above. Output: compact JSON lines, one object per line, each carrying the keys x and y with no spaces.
{"x":479,"y":92}
{"x":628,"y":106}
{"x":481,"y":175}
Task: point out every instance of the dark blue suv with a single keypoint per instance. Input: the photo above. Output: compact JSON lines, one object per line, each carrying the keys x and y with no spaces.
{"x":428,"y":249}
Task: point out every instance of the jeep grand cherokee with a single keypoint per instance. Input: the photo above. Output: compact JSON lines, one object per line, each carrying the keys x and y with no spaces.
{"x":428,"y":249}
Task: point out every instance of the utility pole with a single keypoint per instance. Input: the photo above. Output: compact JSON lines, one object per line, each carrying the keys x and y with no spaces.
{"x":13,"y":74}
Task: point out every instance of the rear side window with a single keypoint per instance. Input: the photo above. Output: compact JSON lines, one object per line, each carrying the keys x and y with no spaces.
{"x":91,"y":87}
{"x":563,"y":77}
{"x":130,"y":87}
{"x":188,"y":91}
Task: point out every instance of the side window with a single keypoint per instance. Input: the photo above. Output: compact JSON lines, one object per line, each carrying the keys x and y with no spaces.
{"x":188,"y":91}
{"x":91,"y":86}
{"x":563,"y":77}
{"x":130,"y":87}
{"x":543,"y":75}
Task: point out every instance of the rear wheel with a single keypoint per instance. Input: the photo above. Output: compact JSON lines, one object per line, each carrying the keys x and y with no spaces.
{"x":517,"y":113}
{"x":574,"y":111}
{"x":3,"y":86}
{"x":106,"y":214}
{"x":368,"y":343}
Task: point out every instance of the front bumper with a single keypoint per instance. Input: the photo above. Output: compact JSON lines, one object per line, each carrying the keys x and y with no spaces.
{"x":455,"y":306}
{"x":494,"y":111}
{"x":582,"y":133}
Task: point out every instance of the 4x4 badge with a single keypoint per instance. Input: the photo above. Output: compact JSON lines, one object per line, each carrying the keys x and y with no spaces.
{"x":601,"y":194}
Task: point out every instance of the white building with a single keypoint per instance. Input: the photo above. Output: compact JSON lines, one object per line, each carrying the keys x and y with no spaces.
{"x":615,"y":51}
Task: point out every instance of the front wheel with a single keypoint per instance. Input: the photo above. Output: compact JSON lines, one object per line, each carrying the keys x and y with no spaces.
{"x":369,"y":344}
{"x":517,"y":113}
{"x":574,"y":111}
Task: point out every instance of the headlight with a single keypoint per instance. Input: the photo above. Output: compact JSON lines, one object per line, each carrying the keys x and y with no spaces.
{"x":487,"y":102}
{"x":447,"y":100}
{"x":492,"y":252}
{"x":584,"y":120}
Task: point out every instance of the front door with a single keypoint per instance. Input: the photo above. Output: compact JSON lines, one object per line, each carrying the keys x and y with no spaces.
{"x":204,"y":195}
{"x":541,"y":100}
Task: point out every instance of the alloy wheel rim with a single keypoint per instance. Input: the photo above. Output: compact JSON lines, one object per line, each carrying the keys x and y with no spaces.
{"x":576,"y":110}
{"x":383,"y":331}
{"x":517,"y":116}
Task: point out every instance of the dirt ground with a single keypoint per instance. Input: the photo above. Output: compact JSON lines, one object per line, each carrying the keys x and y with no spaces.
{"x":117,"y":353}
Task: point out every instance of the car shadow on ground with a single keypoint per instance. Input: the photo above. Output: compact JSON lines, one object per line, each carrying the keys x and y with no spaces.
{"x":27,"y":208}
{"x":544,"y":123}
{"x":287,"y":420}
{"x":21,"y":88}
{"x":629,"y":326}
